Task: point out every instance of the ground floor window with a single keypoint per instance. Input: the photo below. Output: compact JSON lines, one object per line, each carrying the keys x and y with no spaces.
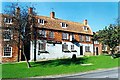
{"x":64,"y":47}
{"x":72,"y":48}
{"x":7,"y":51}
{"x":42,"y":46}
{"x":87,"y":48}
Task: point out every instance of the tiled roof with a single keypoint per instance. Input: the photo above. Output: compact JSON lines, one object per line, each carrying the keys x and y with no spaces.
{"x":54,"y":24}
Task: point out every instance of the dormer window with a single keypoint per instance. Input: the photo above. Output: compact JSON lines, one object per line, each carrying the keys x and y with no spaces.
{"x":41,"y":21}
{"x":85,"y":28}
{"x":63,"y":25}
{"x":8,"y":20}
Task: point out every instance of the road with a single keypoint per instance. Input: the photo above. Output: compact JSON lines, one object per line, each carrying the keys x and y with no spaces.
{"x":101,"y":74}
{"x":109,"y":73}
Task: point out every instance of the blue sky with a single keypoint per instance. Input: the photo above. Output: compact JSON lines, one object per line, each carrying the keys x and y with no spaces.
{"x":98,"y":14}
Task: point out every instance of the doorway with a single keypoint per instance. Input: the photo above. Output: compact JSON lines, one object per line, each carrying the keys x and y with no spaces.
{"x":81,"y":50}
{"x":97,"y":51}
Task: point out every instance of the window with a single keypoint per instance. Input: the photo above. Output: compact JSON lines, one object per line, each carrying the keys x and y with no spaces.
{"x":104,"y":47}
{"x":7,"y":35}
{"x":85,"y":28}
{"x":51,"y":34}
{"x":64,"y":47}
{"x":87,"y":48}
{"x":41,"y":21}
{"x":63,"y":25}
{"x":81,"y":37}
{"x":87,"y":38}
{"x":72,"y":47}
{"x":64,"y":35}
{"x":7,"y":20}
{"x":41,"y":46}
{"x":42,"y":33}
{"x":96,"y":42}
{"x":7,"y":51}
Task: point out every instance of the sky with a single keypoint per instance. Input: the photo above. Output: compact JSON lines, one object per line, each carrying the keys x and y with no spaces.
{"x":98,"y":14}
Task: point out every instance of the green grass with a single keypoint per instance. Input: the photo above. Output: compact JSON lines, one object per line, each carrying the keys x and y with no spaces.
{"x":54,"y":67}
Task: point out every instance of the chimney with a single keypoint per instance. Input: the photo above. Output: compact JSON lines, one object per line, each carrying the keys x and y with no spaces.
{"x":85,"y":22}
{"x":17,"y":11}
{"x":52,"y":15}
{"x":30,"y":10}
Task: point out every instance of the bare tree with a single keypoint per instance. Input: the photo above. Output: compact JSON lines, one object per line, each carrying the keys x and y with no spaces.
{"x":24,"y":19}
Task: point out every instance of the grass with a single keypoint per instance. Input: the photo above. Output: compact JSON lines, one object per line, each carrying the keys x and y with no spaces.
{"x":54,"y":67}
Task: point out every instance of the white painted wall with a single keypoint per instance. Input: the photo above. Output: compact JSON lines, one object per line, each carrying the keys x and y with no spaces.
{"x":55,"y":52}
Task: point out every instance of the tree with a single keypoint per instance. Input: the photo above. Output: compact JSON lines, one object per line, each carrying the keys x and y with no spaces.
{"x":23,"y":20}
{"x":109,"y":36}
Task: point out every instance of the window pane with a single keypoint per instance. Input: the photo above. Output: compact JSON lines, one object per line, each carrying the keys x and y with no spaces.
{"x":7,"y":51}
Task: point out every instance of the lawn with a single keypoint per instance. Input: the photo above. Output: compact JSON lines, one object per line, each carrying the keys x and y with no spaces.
{"x":59,"y":66}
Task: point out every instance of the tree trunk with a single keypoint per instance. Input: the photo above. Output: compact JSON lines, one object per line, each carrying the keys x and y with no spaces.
{"x":28,"y":64}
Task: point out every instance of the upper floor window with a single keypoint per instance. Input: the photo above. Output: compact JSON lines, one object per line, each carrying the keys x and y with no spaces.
{"x":85,"y":28}
{"x":41,"y":21}
{"x":63,"y":25}
{"x":87,"y":38}
{"x":7,"y":35}
{"x":81,"y":37}
{"x":96,"y":42}
{"x":72,"y":37}
{"x":8,"y":20}
{"x":65,"y":36}
{"x":51,"y":34}
{"x":87,"y":48}
{"x":7,"y":51}
{"x":42,"y":33}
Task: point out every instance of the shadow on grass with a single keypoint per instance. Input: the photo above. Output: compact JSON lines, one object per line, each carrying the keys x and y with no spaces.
{"x":58,"y":62}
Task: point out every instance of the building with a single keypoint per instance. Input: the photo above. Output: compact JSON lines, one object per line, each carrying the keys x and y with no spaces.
{"x":59,"y":38}
{"x":55,"y":38}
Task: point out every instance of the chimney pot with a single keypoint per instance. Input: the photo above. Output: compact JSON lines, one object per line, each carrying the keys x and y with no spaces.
{"x":85,"y":22}
{"x":30,"y":10}
{"x":52,"y":15}
{"x":17,"y":11}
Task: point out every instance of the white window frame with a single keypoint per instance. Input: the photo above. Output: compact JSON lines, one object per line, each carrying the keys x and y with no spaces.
{"x":41,"y":21}
{"x":81,"y":38}
{"x":87,"y":38}
{"x":10,"y":52}
{"x":65,"y":36}
{"x":104,"y":47}
{"x":8,"y":20}
{"x":85,"y":28}
{"x":96,"y":42}
{"x":51,"y":34}
{"x":64,"y":47}
{"x":63,"y":25}
{"x":72,"y":48}
{"x":87,"y":48}
{"x":43,"y":33}
{"x":11,"y":36}
{"x":44,"y":46}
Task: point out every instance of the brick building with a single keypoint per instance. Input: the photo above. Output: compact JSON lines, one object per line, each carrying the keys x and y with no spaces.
{"x":55,"y":38}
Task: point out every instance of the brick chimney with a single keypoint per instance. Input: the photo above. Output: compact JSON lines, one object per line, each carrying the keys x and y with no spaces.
{"x":52,"y":15}
{"x":85,"y":22}
{"x":17,"y":11}
{"x":30,"y":10}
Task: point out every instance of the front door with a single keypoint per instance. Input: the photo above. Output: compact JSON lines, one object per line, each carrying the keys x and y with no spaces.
{"x":96,"y":50}
{"x":81,"y":50}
